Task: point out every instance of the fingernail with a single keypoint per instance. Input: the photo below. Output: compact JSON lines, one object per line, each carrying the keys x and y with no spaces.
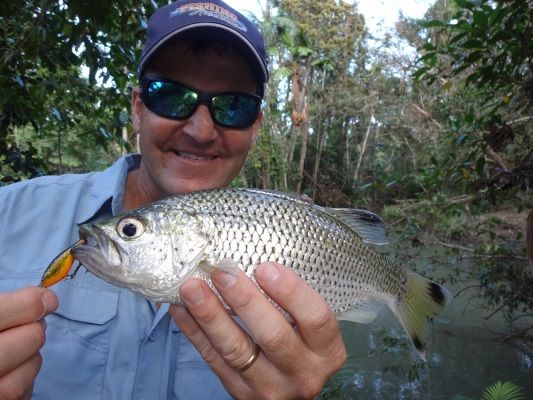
{"x":223,"y":279}
{"x":267,"y":272}
{"x":192,"y":292}
{"x":49,"y":301}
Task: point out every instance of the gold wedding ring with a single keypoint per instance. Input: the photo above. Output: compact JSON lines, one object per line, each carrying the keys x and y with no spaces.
{"x":250,"y":361}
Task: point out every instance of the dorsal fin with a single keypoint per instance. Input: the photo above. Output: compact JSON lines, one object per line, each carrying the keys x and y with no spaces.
{"x":367,"y":224}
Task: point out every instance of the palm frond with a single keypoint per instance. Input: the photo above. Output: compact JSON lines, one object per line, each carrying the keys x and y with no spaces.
{"x":503,"y":391}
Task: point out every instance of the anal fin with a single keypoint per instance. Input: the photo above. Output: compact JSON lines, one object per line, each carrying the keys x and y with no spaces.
{"x":364,"y":312}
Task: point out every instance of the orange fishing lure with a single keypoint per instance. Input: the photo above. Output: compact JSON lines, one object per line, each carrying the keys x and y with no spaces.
{"x":60,"y":267}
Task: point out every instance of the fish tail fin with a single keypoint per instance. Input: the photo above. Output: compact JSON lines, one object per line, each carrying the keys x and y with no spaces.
{"x":423,"y":300}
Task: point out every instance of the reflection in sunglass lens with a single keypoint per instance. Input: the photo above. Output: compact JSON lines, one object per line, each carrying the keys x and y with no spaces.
{"x":235,"y":110}
{"x":174,"y":100}
{"x":171,"y":100}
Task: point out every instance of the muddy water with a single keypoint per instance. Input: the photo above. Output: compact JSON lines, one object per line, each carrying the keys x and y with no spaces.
{"x":464,"y":357}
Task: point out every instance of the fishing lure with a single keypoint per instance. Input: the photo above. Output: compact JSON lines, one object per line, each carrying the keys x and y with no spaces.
{"x":60,"y":267}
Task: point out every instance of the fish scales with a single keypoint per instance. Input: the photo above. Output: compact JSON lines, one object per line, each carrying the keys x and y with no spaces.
{"x":323,"y":250}
{"x":154,"y":249}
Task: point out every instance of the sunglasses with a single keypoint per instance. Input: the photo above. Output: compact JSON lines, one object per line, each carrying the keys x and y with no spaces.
{"x":174,"y":100}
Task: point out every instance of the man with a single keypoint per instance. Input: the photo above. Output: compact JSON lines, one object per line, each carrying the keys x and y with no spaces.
{"x":197,"y":111}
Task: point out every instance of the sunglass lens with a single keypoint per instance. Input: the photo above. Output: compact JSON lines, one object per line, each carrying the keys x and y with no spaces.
{"x":171,"y":100}
{"x":236,"y":111}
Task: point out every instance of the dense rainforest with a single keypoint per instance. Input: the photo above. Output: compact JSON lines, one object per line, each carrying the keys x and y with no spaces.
{"x":430,"y":125}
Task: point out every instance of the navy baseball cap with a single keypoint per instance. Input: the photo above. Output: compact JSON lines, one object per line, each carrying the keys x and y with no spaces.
{"x":212,"y":19}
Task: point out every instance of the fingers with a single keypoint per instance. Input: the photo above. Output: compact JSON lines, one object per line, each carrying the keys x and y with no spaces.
{"x":231,"y":342}
{"x":294,"y":362}
{"x":316,"y":322}
{"x":278,"y":340}
{"x":18,"y":383}
{"x":22,"y":334}
{"x":229,"y":377}
{"x":222,"y":343}
{"x":25,"y":305}
{"x":19,"y":344}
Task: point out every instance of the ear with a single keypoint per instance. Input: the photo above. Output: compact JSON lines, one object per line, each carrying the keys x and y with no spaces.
{"x":136,"y":108}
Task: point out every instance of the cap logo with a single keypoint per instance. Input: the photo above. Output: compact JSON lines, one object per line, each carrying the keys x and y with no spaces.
{"x":210,"y":10}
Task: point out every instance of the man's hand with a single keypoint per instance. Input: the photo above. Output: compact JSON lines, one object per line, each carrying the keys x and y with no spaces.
{"x":22,"y":334}
{"x":295,"y":361}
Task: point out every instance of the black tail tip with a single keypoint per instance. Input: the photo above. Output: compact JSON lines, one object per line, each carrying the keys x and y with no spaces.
{"x":418,"y":343}
{"x":438,"y":294}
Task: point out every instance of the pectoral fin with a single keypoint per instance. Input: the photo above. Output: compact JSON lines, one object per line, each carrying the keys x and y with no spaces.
{"x":226,"y":265}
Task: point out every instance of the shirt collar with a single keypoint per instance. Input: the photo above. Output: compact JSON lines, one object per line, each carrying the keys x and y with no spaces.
{"x":109,"y":187}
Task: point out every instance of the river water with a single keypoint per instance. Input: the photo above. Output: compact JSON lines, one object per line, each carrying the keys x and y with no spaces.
{"x":465,"y":356}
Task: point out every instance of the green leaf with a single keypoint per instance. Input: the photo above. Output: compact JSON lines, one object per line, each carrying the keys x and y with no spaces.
{"x":429,"y":47}
{"x":473,"y":57}
{"x":432,"y":23}
{"x":282,"y":72}
{"x":480,"y":166}
{"x":503,"y":391}
{"x":481,"y":19}
{"x":303,"y":51}
{"x":419,"y":72}
{"x":472,"y":44}
{"x":461,"y":68}
{"x":458,"y":37}
{"x":429,"y":58}
{"x":464,"y":4}
{"x":469,"y":118}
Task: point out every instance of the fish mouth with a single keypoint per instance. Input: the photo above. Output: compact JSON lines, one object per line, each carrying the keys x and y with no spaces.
{"x":97,"y":250}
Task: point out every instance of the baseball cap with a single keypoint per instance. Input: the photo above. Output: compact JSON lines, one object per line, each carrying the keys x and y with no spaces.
{"x":212,"y":19}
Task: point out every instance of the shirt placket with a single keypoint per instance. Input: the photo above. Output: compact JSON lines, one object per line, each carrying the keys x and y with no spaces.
{"x":151,"y":381}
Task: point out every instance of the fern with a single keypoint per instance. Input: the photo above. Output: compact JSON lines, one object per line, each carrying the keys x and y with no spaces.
{"x":503,"y":391}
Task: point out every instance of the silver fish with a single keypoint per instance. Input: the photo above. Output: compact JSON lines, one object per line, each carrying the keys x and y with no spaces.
{"x":154,"y":249}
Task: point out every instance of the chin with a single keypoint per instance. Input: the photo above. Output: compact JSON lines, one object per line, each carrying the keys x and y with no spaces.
{"x":196,"y":186}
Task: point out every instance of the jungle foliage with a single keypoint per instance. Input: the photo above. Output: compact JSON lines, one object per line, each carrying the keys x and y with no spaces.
{"x":433,"y":139}
{"x":66,"y":68}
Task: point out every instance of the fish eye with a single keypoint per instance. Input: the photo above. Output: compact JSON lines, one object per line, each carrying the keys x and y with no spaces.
{"x":130,"y":228}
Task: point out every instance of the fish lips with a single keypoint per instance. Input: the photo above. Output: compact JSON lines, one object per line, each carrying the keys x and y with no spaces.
{"x":98,"y":250}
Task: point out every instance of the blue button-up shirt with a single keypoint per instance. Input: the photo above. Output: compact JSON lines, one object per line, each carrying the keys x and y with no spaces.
{"x":103,"y":342}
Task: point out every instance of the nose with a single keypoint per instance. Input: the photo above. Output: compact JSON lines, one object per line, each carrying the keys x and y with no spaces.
{"x":200,"y":126}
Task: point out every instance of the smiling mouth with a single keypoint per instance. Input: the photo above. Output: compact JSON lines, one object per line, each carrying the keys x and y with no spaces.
{"x":193,"y":157}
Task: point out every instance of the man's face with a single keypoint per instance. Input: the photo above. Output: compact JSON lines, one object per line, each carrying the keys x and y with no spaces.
{"x":181,"y":156}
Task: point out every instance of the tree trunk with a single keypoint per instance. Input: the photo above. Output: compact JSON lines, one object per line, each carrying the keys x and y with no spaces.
{"x":363,"y":146}
{"x":300,"y":80}
{"x":321,"y":143}
{"x":342,"y":155}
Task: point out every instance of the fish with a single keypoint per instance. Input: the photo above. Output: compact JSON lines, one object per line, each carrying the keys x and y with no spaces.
{"x":152,"y":250}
